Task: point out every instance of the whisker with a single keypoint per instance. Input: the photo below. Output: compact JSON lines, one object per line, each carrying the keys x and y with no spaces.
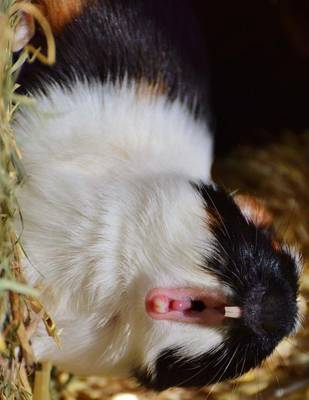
{"x":200,"y":371}
{"x":229,"y":363}
{"x":233,"y":262}
{"x":219,"y":215}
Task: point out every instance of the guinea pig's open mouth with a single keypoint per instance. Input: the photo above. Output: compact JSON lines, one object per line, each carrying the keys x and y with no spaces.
{"x":190,"y":305}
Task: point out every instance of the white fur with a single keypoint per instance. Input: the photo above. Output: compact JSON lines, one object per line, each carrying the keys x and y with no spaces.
{"x":109,"y":213}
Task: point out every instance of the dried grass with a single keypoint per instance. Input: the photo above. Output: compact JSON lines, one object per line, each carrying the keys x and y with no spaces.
{"x":18,"y":319}
{"x":16,"y":356}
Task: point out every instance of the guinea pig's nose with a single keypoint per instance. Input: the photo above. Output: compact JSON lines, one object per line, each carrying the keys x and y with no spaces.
{"x":264,"y":311}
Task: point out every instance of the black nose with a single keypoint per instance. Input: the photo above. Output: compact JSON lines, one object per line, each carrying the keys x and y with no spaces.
{"x":270,"y":311}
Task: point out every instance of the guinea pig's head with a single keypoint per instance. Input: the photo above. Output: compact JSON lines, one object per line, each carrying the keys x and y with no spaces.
{"x":224,"y":314}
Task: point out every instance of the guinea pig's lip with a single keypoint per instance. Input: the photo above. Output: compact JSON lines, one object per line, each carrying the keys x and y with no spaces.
{"x":211,"y":297}
{"x":159,"y":305}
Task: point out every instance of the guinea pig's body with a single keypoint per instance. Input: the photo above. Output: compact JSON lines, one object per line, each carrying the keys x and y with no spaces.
{"x":136,"y":251}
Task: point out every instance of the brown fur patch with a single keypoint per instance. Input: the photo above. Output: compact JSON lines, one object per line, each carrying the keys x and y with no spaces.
{"x":61,"y":12}
{"x":212,"y":220}
{"x":150,"y":89}
{"x":254,"y":210}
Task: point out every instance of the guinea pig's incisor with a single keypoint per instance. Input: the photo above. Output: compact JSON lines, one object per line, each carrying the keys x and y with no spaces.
{"x":147,"y":267}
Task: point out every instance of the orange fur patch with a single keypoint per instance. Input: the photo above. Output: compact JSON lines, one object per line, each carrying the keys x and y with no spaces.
{"x":150,"y":89}
{"x":254,"y":210}
{"x":61,"y":12}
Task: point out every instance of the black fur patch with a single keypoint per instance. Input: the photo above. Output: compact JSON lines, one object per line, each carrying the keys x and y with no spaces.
{"x":265,"y":283}
{"x":146,"y":40}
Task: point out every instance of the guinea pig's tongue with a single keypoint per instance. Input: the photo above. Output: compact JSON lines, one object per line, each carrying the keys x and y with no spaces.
{"x":180,"y":305}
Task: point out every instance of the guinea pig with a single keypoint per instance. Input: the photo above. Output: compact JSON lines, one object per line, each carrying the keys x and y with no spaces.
{"x":148,"y":268}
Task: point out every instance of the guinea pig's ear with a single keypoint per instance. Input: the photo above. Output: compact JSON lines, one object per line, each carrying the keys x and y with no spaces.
{"x":254,"y":210}
{"x":23,"y":32}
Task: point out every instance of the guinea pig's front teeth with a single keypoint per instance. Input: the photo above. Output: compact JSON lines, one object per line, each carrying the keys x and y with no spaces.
{"x":232,"y":312}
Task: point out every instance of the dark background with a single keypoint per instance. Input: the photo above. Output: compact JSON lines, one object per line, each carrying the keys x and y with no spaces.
{"x":259,"y":58}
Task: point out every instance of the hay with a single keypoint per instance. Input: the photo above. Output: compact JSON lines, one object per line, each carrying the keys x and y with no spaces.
{"x":18,"y":319}
{"x":16,"y":354}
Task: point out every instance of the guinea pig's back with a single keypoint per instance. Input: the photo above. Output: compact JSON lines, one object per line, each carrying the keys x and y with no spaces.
{"x":157,"y":45}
